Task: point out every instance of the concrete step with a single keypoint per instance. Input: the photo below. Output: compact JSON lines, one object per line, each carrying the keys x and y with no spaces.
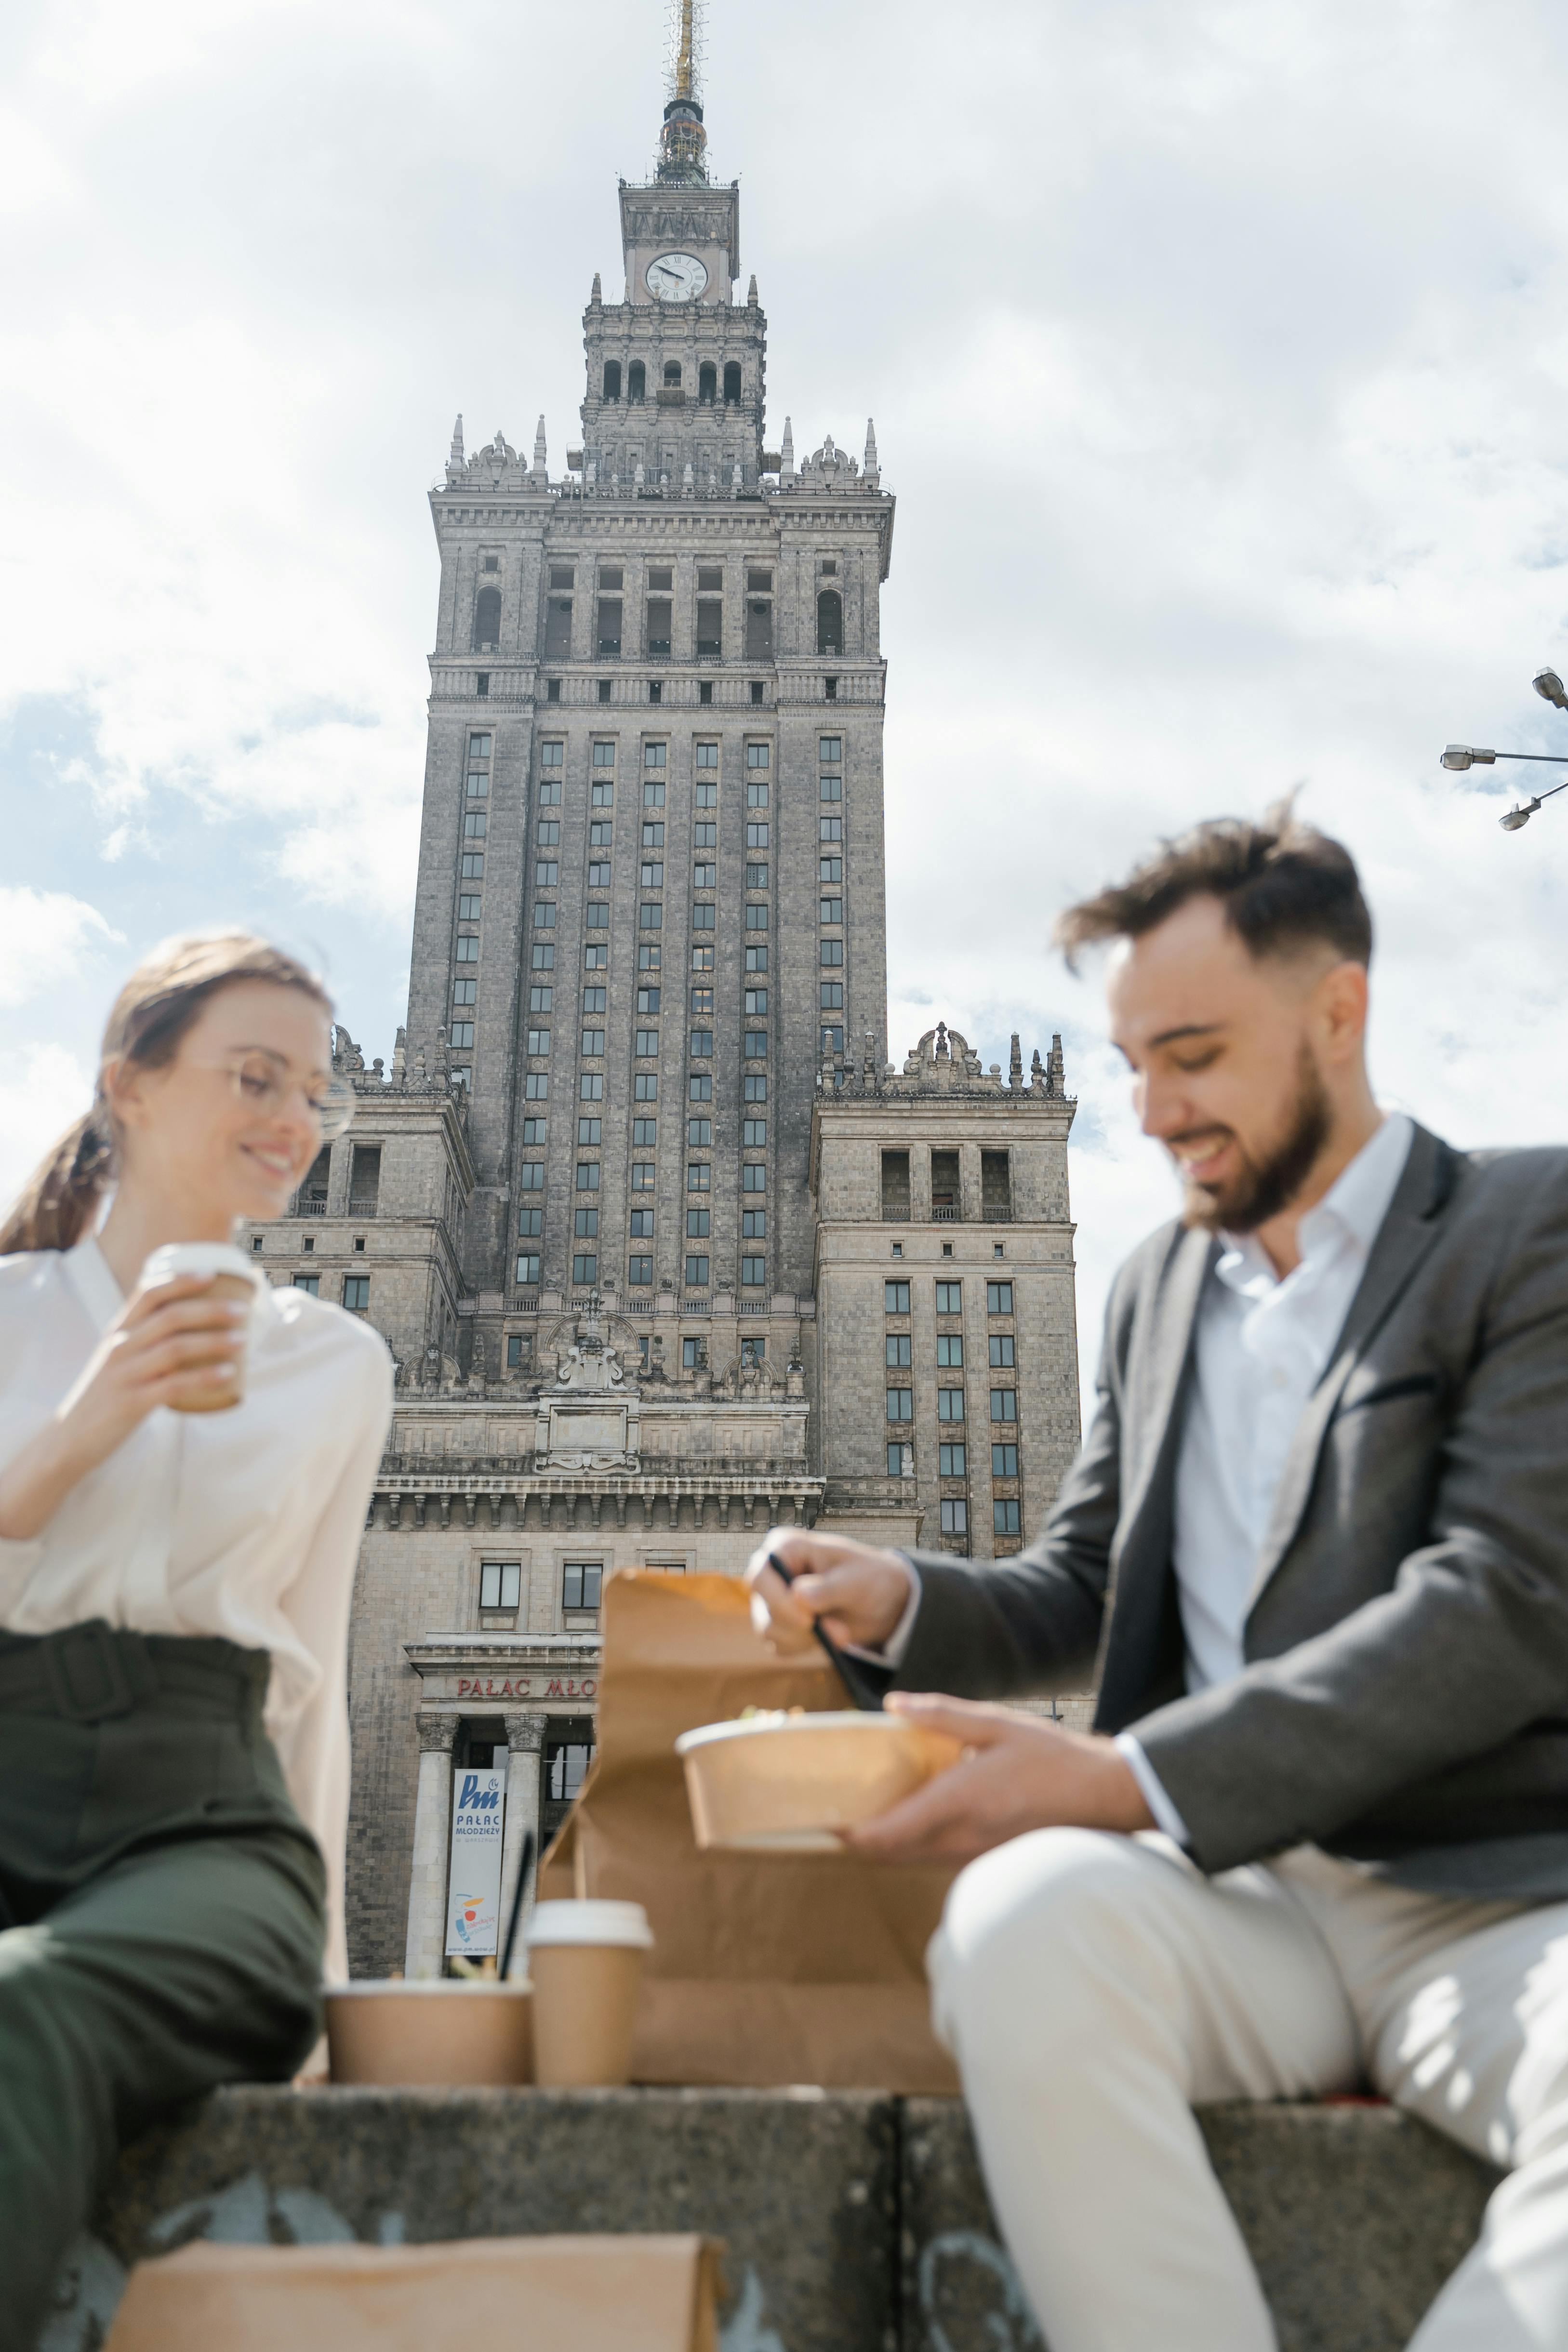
{"x":855,"y":2222}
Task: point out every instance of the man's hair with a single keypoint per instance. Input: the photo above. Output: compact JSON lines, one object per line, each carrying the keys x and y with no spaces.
{"x":1281,"y":884}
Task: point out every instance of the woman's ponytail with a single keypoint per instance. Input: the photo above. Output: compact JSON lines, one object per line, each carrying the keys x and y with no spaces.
{"x":59,"y":1200}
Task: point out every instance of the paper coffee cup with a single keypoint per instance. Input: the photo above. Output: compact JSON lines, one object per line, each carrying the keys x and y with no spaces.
{"x":231,"y":1277}
{"x":585,"y":1960}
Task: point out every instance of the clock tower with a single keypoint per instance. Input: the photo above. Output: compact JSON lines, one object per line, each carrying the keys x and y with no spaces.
{"x":681,"y":235}
{"x":676,"y":369}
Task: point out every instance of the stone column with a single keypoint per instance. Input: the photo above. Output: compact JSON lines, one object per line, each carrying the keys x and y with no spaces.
{"x":919,"y":1183}
{"x":970,"y":1190}
{"x":525,"y":1757}
{"x":432,"y":1831}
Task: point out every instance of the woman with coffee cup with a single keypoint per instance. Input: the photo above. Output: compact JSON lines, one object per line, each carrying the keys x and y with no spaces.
{"x":186,"y":1456}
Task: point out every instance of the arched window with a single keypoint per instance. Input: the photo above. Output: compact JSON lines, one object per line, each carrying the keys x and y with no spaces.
{"x":830,"y":621}
{"x":672,"y":374}
{"x":486,"y":620}
{"x":708,"y":383}
{"x":732,"y":384}
{"x":612,"y":379}
{"x":637,"y":381}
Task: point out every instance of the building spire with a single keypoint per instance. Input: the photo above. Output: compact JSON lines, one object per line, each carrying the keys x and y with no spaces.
{"x":540,"y":470}
{"x":682,"y":139}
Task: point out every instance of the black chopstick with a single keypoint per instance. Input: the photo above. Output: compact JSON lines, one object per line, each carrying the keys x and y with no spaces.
{"x":524,"y":1862}
{"x":858,"y":1679}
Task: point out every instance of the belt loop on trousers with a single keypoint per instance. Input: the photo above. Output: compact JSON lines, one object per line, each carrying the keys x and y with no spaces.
{"x":94,"y":1673}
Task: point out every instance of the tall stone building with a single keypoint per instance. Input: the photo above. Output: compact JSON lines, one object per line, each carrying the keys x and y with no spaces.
{"x":664,"y":1247}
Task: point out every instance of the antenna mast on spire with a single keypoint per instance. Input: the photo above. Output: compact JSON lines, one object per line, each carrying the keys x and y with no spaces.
{"x":685,"y":40}
{"x":682,"y":139}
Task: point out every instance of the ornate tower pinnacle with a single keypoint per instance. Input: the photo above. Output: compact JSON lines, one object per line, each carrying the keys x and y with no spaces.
{"x":682,"y":139}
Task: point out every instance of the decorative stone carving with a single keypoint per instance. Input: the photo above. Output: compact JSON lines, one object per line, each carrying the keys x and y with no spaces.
{"x":525,"y":1733}
{"x":436,"y":1732}
{"x":591,"y":1362}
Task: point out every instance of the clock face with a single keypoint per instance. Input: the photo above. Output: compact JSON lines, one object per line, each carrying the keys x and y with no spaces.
{"x":676,"y":277}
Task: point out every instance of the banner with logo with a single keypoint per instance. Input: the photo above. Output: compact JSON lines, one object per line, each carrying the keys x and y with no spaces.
{"x":473,"y":1896}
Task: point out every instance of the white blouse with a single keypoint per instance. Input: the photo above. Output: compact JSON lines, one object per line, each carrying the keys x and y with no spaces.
{"x":244,"y":1523}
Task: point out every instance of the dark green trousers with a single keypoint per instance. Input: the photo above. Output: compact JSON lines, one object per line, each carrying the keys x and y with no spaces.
{"x":161,"y":1917}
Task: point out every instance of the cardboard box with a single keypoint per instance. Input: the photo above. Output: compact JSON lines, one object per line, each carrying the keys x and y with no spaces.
{"x":531,"y":2295}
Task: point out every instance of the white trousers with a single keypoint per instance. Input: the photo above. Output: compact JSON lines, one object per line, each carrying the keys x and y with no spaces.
{"x":1094,"y":1989}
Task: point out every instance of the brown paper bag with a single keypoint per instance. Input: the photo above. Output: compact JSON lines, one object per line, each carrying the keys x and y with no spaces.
{"x":532,"y":2295}
{"x":765,"y":1969}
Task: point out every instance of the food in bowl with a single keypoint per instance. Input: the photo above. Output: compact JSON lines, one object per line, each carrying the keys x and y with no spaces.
{"x":786,"y":1783}
{"x":439,"y":2031}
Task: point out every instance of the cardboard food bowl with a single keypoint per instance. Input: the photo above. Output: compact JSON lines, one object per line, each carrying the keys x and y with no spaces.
{"x":383,"y":2030}
{"x":785,"y":1784}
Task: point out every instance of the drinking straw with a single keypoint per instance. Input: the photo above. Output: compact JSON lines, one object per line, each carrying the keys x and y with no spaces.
{"x":859,"y":1680}
{"x":523,"y":1861}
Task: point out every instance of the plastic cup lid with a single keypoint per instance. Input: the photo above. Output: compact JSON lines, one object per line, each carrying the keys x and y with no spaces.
{"x":590,"y":1923}
{"x":198,"y":1257}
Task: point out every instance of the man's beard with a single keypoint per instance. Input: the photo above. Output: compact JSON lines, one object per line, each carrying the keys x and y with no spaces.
{"x":1266,"y":1185}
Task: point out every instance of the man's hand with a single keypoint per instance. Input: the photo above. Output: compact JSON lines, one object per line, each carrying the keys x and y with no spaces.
{"x":1021,"y":1774}
{"x":858,"y":1592}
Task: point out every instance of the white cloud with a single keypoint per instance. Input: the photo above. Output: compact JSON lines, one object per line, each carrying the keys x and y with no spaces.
{"x":46,"y":938}
{"x":1217,"y":357}
{"x":43,"y":1089}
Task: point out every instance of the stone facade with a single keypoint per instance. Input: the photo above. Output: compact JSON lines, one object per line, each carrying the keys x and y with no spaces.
{"x":626,"y":1201}
{"x":945,"y":1328}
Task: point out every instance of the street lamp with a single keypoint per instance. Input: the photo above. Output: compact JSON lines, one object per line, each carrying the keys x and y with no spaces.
{"x":1457,"y":757}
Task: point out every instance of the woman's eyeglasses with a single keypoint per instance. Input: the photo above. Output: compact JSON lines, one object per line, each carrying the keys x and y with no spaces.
{"x":264,"y":1082}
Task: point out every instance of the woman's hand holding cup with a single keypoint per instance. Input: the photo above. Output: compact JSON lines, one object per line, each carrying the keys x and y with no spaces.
{"x":179,"y":1340}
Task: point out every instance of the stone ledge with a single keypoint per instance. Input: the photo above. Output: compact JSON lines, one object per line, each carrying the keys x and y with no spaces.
{"x":854,"y":2221}
{"x":801,"y":2186}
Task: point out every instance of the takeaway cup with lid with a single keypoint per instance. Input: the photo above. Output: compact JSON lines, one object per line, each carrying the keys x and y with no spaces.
{"x":585,"y":1960}
{"x":231,"y":1278}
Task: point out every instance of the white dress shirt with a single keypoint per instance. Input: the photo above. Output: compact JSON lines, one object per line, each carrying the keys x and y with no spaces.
{"x":1261,"y":1345}
{"x":245,"y":1524}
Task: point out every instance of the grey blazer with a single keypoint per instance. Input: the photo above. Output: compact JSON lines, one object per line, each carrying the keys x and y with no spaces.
{"x":1404,"y":1700}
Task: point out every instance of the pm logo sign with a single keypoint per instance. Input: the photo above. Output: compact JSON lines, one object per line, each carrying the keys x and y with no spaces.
{"x":473,"y":1900}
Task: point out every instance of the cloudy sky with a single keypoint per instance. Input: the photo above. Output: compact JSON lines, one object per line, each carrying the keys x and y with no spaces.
{"x":1219,"y":361}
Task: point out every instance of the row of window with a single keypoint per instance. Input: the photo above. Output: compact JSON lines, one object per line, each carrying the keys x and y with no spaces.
{"x":952,"y":1458}
{"x":597,"y":954}
{"x":950,"y":1351}
{"x":699,"y":1173}
{"x":639,"y":1270}
{"x":693,"y":1351}
{"x":355,"y":1290}
{"x":594,"y":999}
{"x":469,"y":898}
{"x":949,"y":1297}
{"x":656,"y":689}
{"x":501,"y":1584}
{"x":705,"y":755}
{"x":609,"y":639}
{"x":950,"y":1405}
{"x":708,"y":381}
{"x":954,"y":1510}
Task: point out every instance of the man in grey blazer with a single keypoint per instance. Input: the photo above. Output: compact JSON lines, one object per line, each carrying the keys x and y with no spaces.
{"x":1315,"y":1553}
